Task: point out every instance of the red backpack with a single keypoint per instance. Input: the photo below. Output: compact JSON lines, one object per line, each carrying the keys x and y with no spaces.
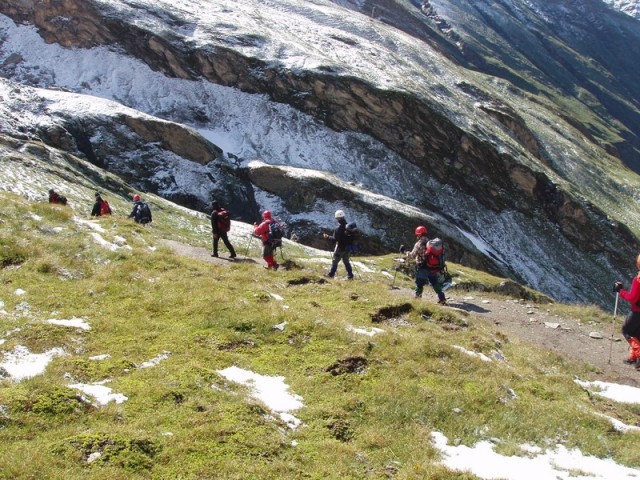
{"x":434,"y":254}
{"x":224,"y":220}
{"x":105,"y":209}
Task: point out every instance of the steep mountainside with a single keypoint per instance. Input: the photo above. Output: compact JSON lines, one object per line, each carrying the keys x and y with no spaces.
{"x":504,"y":126}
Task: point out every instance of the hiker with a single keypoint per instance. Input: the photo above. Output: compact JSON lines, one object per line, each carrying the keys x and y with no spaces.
{"x":141,"y":212}
{"x":220,"y":226}
{"x":268,"y":248}
{"x":55,"y":197}
{"x":631,"y":326}
{"x":429,"y":265}
{"x":341,"y":250}
{"x":101,"y":207}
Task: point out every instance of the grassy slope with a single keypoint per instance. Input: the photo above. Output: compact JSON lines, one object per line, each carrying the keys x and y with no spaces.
{"x":142,"y":302}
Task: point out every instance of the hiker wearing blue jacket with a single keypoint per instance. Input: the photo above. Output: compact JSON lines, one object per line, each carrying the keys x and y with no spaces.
{"x":341,"y":250}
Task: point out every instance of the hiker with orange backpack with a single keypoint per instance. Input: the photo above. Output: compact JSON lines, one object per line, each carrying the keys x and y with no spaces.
{"x":268,"y":247}
{"x":429,"y":258}
{"x":220,"y":227}
{"x":631,"y":326}
{"x":100,"y":207}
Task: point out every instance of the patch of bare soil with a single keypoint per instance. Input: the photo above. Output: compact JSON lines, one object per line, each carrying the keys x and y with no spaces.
{"x":204,"y":254}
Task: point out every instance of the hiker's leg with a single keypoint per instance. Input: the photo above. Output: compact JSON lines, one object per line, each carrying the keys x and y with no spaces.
{"x":267,"y":253}
{"x":434,"y":280}
{"x":227,"y":243}
{"x":421,"y":280}
{"x":634,"y":343}
{"x":334,"y":263}
{"x":347,"y":264}
{"x":216,"y":240}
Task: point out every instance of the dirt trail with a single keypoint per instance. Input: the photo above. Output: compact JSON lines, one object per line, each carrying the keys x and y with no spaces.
{"x":527,"y":321}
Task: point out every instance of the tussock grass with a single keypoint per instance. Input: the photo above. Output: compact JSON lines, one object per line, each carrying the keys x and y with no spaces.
{"x":370,"y":403}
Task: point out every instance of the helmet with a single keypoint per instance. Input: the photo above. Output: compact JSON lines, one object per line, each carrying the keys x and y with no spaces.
{"x":266,"y":214}
{"x":339,"y":214}
{"x":136,"y":198}
{"x":421,"y":230}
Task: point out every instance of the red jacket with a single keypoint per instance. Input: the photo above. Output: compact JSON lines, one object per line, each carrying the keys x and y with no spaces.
{"x":262,"y":230}
{"x":632,"y":296}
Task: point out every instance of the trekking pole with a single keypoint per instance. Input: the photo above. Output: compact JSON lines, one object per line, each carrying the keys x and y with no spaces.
{"x":393,"y":284}
{"x":613,"y":321}
{"x":248,"y":245}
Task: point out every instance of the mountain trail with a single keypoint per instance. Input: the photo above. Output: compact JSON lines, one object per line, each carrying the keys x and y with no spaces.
{"x":517,"y":320}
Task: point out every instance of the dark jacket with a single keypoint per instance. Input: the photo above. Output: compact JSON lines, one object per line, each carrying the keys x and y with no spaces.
{"x":340,"y":236}
{"x":136,"y":215}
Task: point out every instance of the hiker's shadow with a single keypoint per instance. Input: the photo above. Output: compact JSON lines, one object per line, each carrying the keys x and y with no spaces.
{"x":468,"y":307}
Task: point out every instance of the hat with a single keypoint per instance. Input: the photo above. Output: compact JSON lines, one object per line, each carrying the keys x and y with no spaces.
{"x":136,"y":198}
{"x":421,"y":230}
{"x":266,"y":214}
{"x":339,"y":214}
{"x":97,"y":194}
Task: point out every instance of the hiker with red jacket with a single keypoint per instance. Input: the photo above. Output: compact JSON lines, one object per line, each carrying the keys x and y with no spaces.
{"x":429,"y":265}
{"x":341,"y":250}
{"x":100,"y":207}
{"x":220,"y":226}
{"x":631,"y":326}
{"x":268,"y":249}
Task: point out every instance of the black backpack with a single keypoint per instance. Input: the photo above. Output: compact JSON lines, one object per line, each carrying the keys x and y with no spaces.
{"x":143,"y":213}
{"x":62,"y":200}
{"x":275,"y":234}
{"x":352,"y":233}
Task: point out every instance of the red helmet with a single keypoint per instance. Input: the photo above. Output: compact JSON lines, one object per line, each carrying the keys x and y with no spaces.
{"x":266,"y":214}
{"x":136,"y":198}
{"x":421,"y":230}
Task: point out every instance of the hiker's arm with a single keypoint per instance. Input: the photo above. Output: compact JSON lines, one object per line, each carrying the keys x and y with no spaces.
{"x":632,"y":296}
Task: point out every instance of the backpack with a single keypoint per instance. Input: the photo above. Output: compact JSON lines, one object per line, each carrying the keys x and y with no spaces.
{"x":433,"y":254}
{"x":352,"y":233}
{"x":223,"y":220}
{"x":62,"y":200}
{"x":143,"y":213}
{"x":105,"y":209}
{"x":275,"y":234}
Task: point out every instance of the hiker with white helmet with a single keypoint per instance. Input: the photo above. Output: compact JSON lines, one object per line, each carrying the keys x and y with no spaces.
{"x":341,"y":250}
{"x":429,"y":264}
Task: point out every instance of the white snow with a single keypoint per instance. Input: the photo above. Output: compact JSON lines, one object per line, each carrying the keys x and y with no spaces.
{"x":99,"y":392}
{"x":370,"y":332}
{"x":557,"y":464}
{"x":481,"y":356}
{"x":612,"y":391}
{"x":21,"y":363}
{"x":155,"y":361}
{"x":272,"y":391}
{"x":72,"y":322}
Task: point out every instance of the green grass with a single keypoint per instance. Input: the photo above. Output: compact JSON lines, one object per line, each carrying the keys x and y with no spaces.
{"x":184,"y":420}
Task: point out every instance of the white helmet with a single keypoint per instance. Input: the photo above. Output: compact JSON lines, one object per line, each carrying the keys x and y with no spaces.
{"x":339,"y":214}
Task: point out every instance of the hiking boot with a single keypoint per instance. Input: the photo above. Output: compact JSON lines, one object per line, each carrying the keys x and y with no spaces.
{"x":276,"y":266}
{"x":442,"y":302}
{"x":233,"y":256}
{"x":417,"y":295}
{"x":350,"y":278}
{"x":628,"y":361}
{"x":214,"y":255}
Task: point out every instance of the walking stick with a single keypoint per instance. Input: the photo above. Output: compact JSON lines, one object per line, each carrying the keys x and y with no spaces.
{"x":613,"y":321}
{"x":248,"y":245}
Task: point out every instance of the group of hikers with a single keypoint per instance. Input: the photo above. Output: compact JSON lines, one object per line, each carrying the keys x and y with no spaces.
{"x":430,"y":267}
{"x":141,"y":213}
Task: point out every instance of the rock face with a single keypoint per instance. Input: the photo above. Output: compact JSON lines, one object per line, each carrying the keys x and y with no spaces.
{"x":494,"y":170}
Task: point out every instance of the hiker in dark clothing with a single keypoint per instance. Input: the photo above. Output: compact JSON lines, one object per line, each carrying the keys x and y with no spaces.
{"x":100,"y":207}
{"x":428,"y":269}
{"x":262,"y":231}
{"x":341,"y":250}
{"x":220,"y":226}
{"x":141,"y":212}
{"x":631,"y":326}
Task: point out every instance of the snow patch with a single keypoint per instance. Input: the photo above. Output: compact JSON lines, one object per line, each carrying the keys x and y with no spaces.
{"x":21,"y":363}
{"x":72,"y":322}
